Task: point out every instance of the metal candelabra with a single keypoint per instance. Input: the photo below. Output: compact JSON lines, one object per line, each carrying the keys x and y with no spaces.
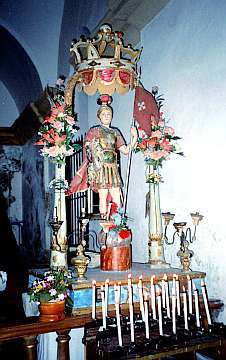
{"x":185,"y":235}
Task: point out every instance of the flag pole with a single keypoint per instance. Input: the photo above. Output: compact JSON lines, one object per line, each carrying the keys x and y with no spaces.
{"x":127,"y":174}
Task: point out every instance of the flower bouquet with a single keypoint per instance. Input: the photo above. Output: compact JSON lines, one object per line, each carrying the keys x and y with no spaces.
{"x":118,"y":232}
{"x":57,"y":132}
{"x":52,"y":286}
{"x":159,"y":145}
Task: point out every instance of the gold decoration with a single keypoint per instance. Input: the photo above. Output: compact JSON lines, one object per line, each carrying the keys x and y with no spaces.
{"x":103,"y":64}
{"x":81,"y":262}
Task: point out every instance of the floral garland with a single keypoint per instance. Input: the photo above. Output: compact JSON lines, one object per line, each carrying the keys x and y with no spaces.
{"x":57,"y":132}
{"x":159,"y":145}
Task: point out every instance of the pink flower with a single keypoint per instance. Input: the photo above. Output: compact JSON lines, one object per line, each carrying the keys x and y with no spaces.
{"x":156,"y":155}
{"x":156,"y":134}
{"x":165,"y":144}
{"x":169,"y":130}
{"x":58,"y":125}
{"x":161,"y":123}
{"x":70,"y":120}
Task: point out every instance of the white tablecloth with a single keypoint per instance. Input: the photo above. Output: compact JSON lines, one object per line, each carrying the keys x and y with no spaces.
{"x":47,"y":345}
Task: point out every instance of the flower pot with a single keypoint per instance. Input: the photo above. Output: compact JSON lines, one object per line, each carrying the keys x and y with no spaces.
{"x":52,"y":311}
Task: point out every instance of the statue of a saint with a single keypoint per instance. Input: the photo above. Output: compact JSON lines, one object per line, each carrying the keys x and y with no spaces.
{"x":100,"y":169}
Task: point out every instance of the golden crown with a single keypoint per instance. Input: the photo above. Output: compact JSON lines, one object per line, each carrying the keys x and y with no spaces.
{"x":104,"y":63}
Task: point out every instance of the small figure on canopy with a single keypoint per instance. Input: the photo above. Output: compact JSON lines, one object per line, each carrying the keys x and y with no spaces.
{"x":100,"y":169}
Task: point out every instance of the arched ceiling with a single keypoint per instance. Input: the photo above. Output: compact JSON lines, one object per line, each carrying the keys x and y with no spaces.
{"x":17,"y":71}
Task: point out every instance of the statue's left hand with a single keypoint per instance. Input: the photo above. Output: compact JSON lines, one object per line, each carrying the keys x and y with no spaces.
{"x":133,"y":132}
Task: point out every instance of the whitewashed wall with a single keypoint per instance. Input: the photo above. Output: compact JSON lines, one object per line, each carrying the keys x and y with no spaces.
{"x":184,"y":54}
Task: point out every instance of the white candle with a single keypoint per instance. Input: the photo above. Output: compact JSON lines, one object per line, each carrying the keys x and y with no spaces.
{"x":89,"y":200}
{"x":163,"y":292}
{"x":140,"y":289}
{"x":103,"y":306}
{"x":146,"y":315}
{"x":184,"y":296}
{"x":55,"y":213}
{"x":196,"y":296}
{"x":117,"y":299}
{"x":130,"y":299}
{"x":174,"y":299}
{"x":159,"y":302}
{"x":94,"y":299}
{"x":178,"y":295}
{"x":153,"y":300}
{"x":83,"y":212}
{"x":167,"y":298}
{"x":106,"y":296}
{"x":174,"y":284}
{"x":205,"y":300}
{"x":189,"y":294}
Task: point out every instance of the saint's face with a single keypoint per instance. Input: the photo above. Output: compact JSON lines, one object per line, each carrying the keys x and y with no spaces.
{"x":105,"y":117}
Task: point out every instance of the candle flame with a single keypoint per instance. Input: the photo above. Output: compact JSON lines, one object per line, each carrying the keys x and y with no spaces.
{"x":129,"y":276}
{"x":183,"y":288}
{"x":94,"y":282}
{"x":188,"y":277}
{"x":107,"y":281}
{"x":141,"y":277}
{"x":158,"y":292}
{"x":165,"y":278}
{"x":119,"y":283}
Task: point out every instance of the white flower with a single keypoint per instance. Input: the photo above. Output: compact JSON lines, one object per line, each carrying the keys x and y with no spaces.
{"x":50,"y":278}
{"x":52,"y":292}
{"x":141,"y":105}
{"x":61,"y":296}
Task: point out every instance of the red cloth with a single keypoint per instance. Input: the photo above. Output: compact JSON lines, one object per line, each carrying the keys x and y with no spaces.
{"x":145,"y":107}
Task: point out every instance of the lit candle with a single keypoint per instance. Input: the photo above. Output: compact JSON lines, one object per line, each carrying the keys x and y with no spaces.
{"x":163,"y":292}
{"x":146,"y":315}
{"x":140,"y":289}
{"x":174,"y":299}
{"x":184,"y":296}
{"x":94,"y":299}
{"x":167,"y":297}
{"x":106,"y":295}
{"x":103,"y":306}
{"x":189,"y":294}
{"x":117,"y":299}
{"x":159,"y":302}
{"x":153,"y":301}
{"x":178,"y":295}
{"x":130,"y":298}
{"x":205,"y":300}
{"x":196,"y":296}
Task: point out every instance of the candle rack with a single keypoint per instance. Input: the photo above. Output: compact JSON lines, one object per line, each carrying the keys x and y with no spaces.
{"x":185,"y":236}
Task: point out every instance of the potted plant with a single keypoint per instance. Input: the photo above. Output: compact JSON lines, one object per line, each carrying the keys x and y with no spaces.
{"x":50,"y":290}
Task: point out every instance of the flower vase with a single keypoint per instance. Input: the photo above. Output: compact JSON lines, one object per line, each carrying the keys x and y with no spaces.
{"x":59,"y":247}
{"x":156,"y":249}
{"x":51,"y":311}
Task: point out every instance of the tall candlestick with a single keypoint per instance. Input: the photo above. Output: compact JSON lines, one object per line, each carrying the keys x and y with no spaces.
{"x":178,"y":295}
{"x":196,"y":296}
{"x":140,"y":289}
{"x":146,"y":317}
{"x":184,"y":296}
{"x":189,"y":294}
{"x":94,"y":299}
{"x":174,"y":299}
{"x":106,"y":296}
{"x":167,"y":297}
{"x":205,"y":300}
{"x":117,"y":299}
{"x":103,"y":306}
{"x":163,"y":292}
{"x":159,"y":302}
{"x":153,"y":300}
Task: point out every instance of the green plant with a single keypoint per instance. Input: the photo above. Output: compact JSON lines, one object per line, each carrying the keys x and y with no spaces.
{"x":50,"y":286}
